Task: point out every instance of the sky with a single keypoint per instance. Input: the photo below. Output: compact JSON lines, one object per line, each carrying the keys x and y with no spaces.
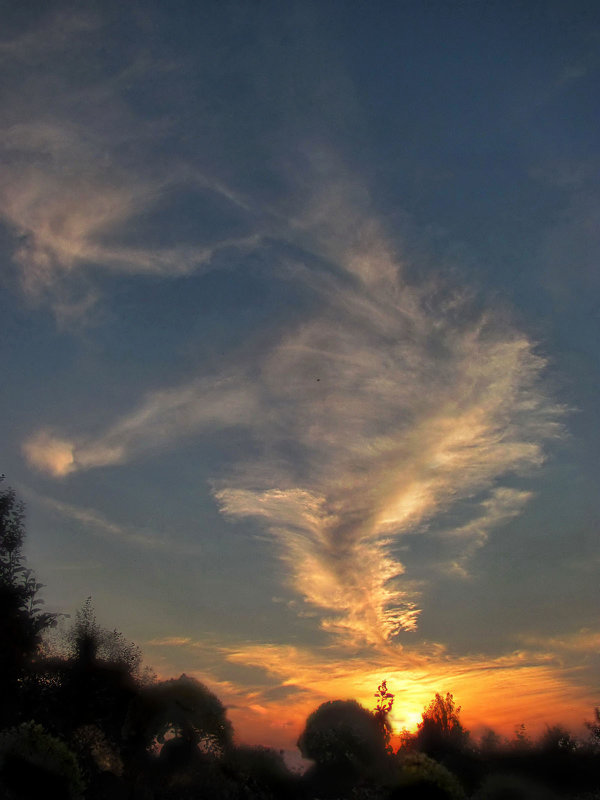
{"x":300,"y":315}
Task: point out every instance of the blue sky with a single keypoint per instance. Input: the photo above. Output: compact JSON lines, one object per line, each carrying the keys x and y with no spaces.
{"x":300,"y":313}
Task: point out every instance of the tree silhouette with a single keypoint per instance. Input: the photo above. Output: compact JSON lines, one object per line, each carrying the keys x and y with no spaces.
{"x":21,"y":619}
{"x":182,"y":709}
{"x":344,"y":739}
{"x":385,"y":701}
{"x":87,"y":640}
{"x":440,"y":731}
{"x":86,"y":690}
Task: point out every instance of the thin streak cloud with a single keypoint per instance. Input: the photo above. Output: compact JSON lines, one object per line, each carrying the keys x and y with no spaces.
{"x":99,"y":525}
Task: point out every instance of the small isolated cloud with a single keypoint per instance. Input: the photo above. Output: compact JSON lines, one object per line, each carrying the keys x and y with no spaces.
{"x":50,"y":453}
{"x":169,"y":641}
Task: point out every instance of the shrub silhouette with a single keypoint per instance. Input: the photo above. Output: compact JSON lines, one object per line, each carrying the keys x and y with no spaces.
{"x":260,"y":772}
{"x":423,"y":777}
{"x":385,"y":701}
{"x":35,"y":764}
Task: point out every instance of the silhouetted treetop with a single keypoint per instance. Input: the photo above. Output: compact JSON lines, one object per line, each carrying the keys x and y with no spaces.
{"x":17,"y":581}
{"x":21,"y":619}
{"x":183,"y":708}
{"x":385,"y":701}
{"x":440,"y":729}
{"x":342,"y":733}
{"x":88,"y":641}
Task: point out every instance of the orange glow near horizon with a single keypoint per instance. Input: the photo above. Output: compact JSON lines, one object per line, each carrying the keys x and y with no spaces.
{"x":502,"y":693}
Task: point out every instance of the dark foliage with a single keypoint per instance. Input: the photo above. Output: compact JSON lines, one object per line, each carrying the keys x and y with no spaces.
{"x":22,"y":620}
{"x":385,"y":702}
{"x":86,"y":721}
{"x":341,"y":733}
{"x":440,"y":732}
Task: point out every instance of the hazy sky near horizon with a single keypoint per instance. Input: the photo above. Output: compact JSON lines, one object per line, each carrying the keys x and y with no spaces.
{"x":300,"y":312}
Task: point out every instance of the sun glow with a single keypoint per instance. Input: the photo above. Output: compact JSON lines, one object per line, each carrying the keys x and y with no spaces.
{"x":526,"y":686}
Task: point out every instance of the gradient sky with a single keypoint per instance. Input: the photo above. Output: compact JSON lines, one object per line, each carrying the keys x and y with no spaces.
{"x":300,"y":311}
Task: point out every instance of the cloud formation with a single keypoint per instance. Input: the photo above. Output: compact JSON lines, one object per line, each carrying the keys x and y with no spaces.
{"x":79,"y":177}
{"x":535,"y":686}
{"x":374,"y":416}
{"x":163,"y":418}
{"x":68,"y":207}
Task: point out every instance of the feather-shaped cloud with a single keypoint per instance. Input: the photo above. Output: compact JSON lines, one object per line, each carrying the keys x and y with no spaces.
{"x":372,"y":416}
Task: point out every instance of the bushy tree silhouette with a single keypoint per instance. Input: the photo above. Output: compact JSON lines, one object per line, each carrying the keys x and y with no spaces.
{"x":94,"y":681}
{"x":348,"y":746}
{"x":342,"y":733}
{"x":440,"y":731}
{"x":182,"y":710}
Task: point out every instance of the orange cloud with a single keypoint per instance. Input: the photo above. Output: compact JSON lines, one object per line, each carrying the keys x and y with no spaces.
{"x":49,"y":453}
{"x":501,"y":692}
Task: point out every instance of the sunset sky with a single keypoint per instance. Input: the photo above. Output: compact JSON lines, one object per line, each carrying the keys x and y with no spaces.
{"x":300,"y":339}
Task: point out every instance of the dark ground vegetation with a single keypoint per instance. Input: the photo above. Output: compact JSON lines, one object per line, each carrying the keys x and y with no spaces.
{"x":85,"y":721}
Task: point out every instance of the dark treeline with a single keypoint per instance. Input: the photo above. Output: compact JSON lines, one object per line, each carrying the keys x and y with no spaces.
{"x":81,"y":719}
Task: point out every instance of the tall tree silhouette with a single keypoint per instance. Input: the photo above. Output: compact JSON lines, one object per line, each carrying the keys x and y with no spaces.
{"x":96,"y":680}
{"x":440,"y":731}
{"x":22,"y":620}
{"x":385,"y":701}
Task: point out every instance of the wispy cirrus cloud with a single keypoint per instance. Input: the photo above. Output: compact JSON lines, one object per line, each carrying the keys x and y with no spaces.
{"x":79,"y":177}
{"x":50,"y":36}
{"x":98,"y":524}
{"x":164,"y":417}
{"x":501,"y":505}
{"x":374,"y":416}
{"x":68,"y":209}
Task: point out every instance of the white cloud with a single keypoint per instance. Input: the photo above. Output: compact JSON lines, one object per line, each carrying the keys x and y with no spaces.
{"x":165,"y":416}
{"x":376,"y":414}
{"x":67,"y":209}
